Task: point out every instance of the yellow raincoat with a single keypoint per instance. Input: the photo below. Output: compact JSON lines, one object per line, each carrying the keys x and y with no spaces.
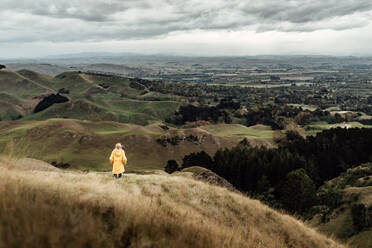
{"x":118,"y":160}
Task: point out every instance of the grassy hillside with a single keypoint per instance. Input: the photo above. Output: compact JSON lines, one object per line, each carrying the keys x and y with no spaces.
{"x":258,"y":134}
{"x":16,"y":84}
{"x":87,"y":145}
{"x":354,"y":188}
{"x":42,"y":79}
{"x":17,"y":94}
{"x":92,"y":97}
{"x":42,"y":207}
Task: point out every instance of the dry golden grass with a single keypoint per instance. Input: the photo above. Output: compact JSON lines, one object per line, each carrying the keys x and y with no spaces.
{"x":53,"y":208}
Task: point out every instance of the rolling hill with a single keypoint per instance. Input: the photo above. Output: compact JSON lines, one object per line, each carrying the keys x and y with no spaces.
{"x":18,"y":94}
{"x":80,"y":131}
{"x":91,"y":97}
{"x":42,"y":68}
{"x":41,"y":206}
{"x":86,"y":145}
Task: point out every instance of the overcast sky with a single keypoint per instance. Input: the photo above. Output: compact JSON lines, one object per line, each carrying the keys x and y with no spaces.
{"x":34,"y":28}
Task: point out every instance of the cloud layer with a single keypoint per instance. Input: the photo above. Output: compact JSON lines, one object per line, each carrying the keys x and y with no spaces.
{"x":195,"y":27}
{"x":98,"y":20}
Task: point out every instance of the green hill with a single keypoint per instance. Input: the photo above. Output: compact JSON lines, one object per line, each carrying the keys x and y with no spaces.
{"x":18,"y":85}
{"x":87,"y":145}
{"x":91,"y":97}
{"x":44,"y":80}
{"x":348,"y":214}
{"x":41,"y":206}
{"x":18,"y":94}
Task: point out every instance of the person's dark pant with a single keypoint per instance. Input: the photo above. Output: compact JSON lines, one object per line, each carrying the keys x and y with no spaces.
{"x":117,"y":176}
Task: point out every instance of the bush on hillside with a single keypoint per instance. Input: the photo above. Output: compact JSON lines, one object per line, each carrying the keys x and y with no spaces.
{"x":63,"y":91}
{"x":330,"y":196}
{"x":2,"y":67}
{"x":171,"y":166}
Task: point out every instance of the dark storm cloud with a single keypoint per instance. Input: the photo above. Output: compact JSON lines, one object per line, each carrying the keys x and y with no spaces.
{"x":70,"y":20}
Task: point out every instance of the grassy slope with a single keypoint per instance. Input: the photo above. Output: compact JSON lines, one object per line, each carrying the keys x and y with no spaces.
{"x":16,"y":92}
{"x":341,"y":223}
{"x":52,"y":208}
{"x":258,"y":134}
{"x":16,"y":84}
{"x":89,"y":100}
{"x":87,"y":145}
{"x":10,"y":107}
{"x":44,"y":80}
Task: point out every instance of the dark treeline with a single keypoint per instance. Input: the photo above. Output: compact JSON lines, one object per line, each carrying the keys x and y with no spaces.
{"x":191,"y":113}
{"x":314,"y":160}
{"x":336,"y":150}
{"x":277,"y":116}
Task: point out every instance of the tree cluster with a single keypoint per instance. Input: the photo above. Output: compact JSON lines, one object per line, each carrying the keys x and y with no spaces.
{"x":278,"y":116}
{"x":292,"y":172}
{"x":191,"y":113}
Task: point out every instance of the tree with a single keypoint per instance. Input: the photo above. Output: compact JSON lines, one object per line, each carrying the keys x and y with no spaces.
{"x":197,"y":159}
{"x":263,"y":185}
{"x":172,"y":166}
{"x":298,"y":191}
{"x":304,"y":118}
{"x":330,"y":196}
{"x":293,"y":136}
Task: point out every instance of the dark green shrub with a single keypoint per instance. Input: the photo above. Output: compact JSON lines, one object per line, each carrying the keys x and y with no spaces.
{"x":330,"y":196}
{"x":172,"y":166}
{"x":359,"y":215}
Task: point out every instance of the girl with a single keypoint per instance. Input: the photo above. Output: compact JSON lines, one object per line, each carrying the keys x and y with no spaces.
{"x":118,"y":160}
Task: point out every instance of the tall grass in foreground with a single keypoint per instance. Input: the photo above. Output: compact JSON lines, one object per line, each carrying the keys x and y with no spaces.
{"x":43,"y":207}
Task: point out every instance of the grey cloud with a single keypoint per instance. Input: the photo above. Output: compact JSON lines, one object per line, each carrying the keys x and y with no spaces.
{"x":70,"y":20}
